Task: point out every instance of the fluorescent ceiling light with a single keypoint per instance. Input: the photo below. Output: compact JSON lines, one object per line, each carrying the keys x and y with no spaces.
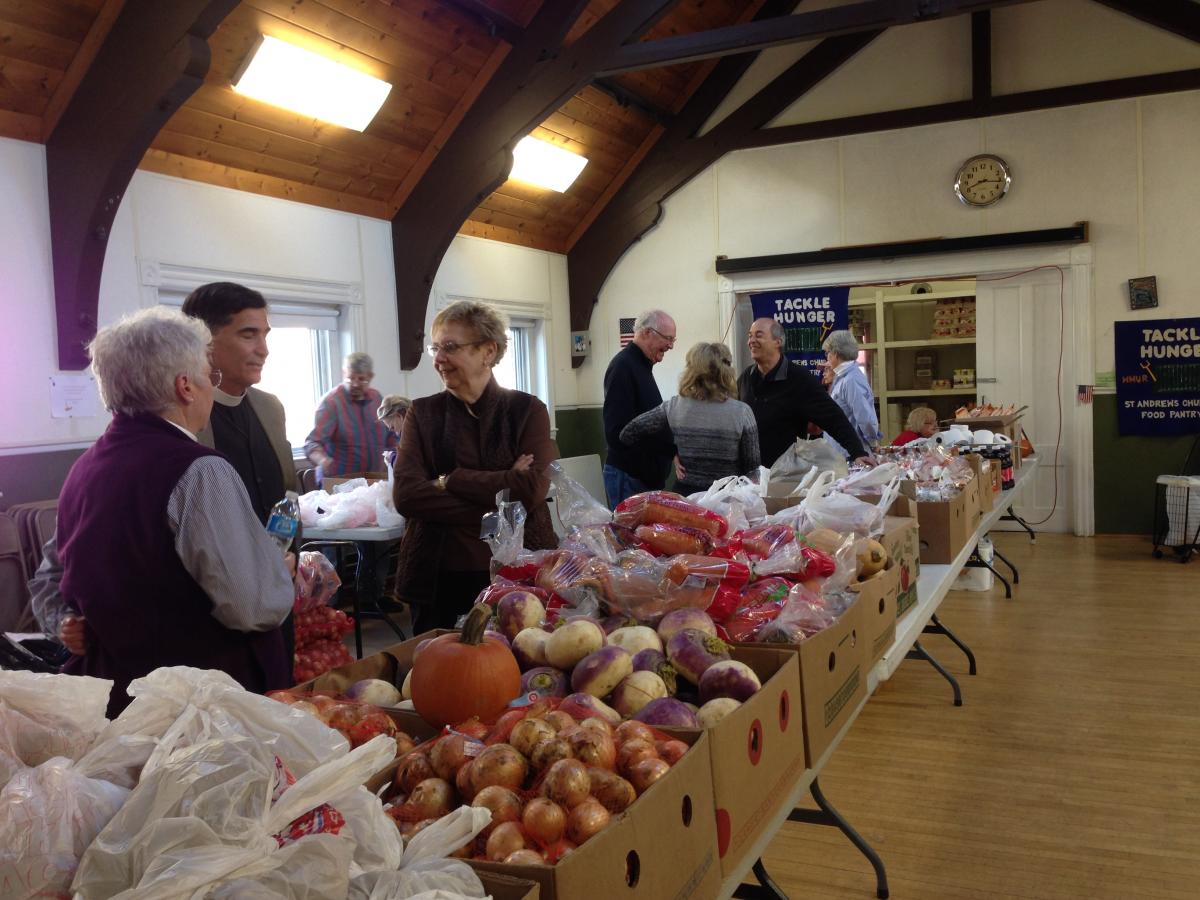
{"x":285,"y":75}
{"x":545,"y":165}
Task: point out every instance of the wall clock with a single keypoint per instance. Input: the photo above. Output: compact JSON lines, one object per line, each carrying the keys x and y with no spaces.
{"x":982,"y":180}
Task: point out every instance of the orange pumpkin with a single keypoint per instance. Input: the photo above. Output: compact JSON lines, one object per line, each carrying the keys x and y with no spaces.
{"x":457,"y":676}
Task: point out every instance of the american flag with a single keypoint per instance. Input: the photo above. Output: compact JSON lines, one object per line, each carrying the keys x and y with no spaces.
{"x":626,"y":330}
{"x":1084,"y":394}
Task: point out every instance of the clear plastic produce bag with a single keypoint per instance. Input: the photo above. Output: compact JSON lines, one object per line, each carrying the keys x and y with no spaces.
{"x":316,"y":580}
{"x":504,"y":529}
{"x":576,"y":507}
{"x":826,"y":508}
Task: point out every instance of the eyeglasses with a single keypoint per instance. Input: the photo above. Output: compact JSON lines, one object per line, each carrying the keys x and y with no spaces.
{"x":450,"y":347}
{"x":669,"y":338}
{"x":214,"y":376}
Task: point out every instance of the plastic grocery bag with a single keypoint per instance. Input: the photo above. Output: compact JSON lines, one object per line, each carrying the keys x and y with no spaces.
{"x":179,"y":705}
{"x":49,"y":815}
{"x":316,"y":581}
{"x":43,"y":716}
{"x":424,"y":867}
{"x":217,"y":810}
{"x":803,"y":456}
{"x":826,"y":508}
{"x":576,"y":507}
{"x":504,"y":529}
{"x":737,"y":498}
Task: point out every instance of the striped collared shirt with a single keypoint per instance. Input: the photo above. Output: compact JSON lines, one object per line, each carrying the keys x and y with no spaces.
{"x":350,"y":433}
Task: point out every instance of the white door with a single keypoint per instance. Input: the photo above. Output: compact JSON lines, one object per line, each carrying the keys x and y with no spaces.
{"x":1025,"y":355}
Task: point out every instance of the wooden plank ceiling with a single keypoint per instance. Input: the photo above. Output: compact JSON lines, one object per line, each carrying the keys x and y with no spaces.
{"x":435,"y":53}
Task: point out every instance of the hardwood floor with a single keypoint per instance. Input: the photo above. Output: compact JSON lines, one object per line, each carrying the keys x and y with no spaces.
{"x":1072,"y":770}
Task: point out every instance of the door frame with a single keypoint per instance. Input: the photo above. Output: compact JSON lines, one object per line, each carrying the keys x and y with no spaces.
{"x":1075,"y":260}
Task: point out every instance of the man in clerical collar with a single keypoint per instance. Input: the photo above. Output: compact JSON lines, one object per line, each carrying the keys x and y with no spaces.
{"x":247,"y":424}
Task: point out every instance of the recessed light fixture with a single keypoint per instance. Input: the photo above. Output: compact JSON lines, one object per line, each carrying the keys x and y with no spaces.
{"x":283,"y":74}
{"x":541,"y":163}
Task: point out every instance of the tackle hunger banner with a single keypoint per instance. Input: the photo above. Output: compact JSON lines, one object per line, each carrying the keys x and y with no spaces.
{"x":1158,"y":376}
{"x":807,"y":315}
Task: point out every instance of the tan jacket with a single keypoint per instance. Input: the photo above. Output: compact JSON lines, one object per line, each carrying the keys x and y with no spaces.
{"x":270,"y":415}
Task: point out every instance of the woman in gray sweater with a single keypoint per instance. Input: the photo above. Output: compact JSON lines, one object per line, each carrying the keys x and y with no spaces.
{"x":714,"y":432}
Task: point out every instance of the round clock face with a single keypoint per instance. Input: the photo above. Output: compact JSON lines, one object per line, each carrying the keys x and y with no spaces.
{"x":982,"y":180}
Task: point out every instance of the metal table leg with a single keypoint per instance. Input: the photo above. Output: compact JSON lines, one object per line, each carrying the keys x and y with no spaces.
{"x":1000,"y":556}
{"x":936,"y":627}
{"x":367,"y":584}
{"x":1011,"y":516}
{"x":766,"y":889}
{"x":919,"y":652}
{"x":825,"y":814}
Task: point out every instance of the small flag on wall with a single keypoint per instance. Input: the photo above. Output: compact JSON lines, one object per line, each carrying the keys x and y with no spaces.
{"x":1084,"y":394}
{"x":626,"y":330}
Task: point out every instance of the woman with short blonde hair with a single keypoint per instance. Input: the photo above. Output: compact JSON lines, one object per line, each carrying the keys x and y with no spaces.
{"x":715,"y":433}
{"x":922,"y":423}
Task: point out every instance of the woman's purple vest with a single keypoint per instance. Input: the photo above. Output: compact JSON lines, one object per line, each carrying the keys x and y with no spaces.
{"x":121,"y":571}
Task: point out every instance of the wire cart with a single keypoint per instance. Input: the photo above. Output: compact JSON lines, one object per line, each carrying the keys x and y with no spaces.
{"x":1177,"y":509}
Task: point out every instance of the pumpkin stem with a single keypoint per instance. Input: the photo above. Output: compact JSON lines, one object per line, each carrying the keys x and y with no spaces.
{"x":474,"y":624}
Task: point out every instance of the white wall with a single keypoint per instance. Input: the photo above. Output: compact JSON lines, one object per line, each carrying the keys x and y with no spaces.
{"x":1123,"y":166}
{"x":169,"y":220}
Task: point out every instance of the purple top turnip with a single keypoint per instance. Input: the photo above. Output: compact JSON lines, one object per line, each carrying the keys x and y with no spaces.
{"x":692,"y":651}
{"x":601,"y":671}
{"x":656,"y":662}
{"x":667,"y":712}
{"x":679,"y":619}
{"x":728,"y":678}
{"x":545,"y":681}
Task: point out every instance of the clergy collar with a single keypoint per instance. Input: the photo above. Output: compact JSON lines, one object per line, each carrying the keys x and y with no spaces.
{"x":219,"y":396}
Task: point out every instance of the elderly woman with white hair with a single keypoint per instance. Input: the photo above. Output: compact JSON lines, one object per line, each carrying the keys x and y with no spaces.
{"x":157,"y":547}
{"x":850,"y":388}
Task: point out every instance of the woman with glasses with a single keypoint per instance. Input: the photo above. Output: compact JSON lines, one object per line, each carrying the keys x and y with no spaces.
{"x":157,"y":548}
{"x":458,"y":450}
{"x":714,"y":432}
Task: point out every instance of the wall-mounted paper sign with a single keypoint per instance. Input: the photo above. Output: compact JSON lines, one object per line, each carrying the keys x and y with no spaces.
{"x":73,"y":396}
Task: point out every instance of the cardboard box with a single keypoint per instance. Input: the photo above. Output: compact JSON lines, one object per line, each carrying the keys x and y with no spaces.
{"x":945,"y":527}
{"x":780,"y":496}
{"x":502,"y":887}
{"x":900,"y":539}
{"x":664,"y":845}
{"x":984,"y":483}
{"x":833,"y":678}
{"x":330,"y":483}
{"x":878,"y":596}
{"x":757,"y":753}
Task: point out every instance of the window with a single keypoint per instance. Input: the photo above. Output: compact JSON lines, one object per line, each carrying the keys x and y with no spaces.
{"x":515,"y":370}
{"x":299,"y":372}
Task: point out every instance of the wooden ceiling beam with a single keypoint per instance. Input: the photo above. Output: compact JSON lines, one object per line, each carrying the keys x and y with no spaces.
{"x":81,"y":62}
{"x":761,"y":34}
{"x":1181,"y":17}
{"x":1003,"y":104}
{"x":536,"y":77}
{"x":981,"y":57}
{"x":154,"y":57}
{"x":497,"y":24}
{"x":631,"y":100}
{"x":680,"y":155}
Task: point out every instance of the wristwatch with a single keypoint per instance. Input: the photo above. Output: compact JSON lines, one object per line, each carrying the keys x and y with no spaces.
{"x":440,"y":483}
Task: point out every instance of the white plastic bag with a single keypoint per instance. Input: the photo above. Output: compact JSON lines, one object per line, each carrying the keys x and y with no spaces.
{"x":43,"y":716}
{"x":385,"y":509}
{"x":504,"y":529}
{"x":48,"y":816}
{"x":826,"y":508}
{"x":180,"y":705}
{"x":737,"y":498}
{"x":805,"y":455}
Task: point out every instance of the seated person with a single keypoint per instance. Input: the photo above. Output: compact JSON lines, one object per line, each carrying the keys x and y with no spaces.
{"x":157,"y":548}
{"x":922,"y":423}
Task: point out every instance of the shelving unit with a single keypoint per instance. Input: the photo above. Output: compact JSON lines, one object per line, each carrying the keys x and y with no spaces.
{"x":895,"y":326}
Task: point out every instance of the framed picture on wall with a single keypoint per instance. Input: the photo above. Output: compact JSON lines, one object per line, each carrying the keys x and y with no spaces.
{"x":1143,"y":292}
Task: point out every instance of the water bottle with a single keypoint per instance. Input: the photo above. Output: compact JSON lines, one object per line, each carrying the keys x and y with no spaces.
{"x":284,"y":520}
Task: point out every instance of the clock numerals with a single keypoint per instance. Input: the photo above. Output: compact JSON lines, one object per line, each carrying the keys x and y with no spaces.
{"x":982,"y":181}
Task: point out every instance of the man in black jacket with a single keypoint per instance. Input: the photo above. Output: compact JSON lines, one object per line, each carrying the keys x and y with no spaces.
{"x":785,"y":397}
{"x":630,"y":390}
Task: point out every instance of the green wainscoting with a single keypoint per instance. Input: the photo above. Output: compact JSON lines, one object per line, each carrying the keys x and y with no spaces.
{"x":580,"y":431}
{"x":1125,"y":469}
